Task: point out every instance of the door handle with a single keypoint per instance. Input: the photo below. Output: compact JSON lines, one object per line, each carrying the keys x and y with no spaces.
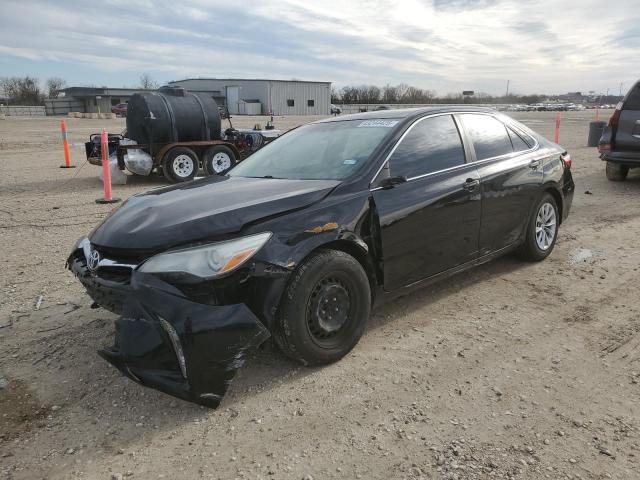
{"x":470,"y":184}
{"x":534,"y":164}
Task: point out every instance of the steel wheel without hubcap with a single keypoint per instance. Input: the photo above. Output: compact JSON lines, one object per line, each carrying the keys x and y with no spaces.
{"x":183,"y":166}
{"x":329,"y":311}
{"x":545,"y":226}
{"x":221,"y":162}
{"x":324,"y":309}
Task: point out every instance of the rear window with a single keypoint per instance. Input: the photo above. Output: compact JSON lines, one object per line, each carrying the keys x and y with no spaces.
{"x":633,"y":100}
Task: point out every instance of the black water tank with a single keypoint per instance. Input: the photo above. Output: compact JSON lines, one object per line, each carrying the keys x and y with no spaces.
{"x":595,"y":132}
{"x":172,"y":114}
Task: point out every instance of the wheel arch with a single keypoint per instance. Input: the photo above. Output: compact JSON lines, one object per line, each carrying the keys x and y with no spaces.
{"x":553,"y":191}
{"x":353,"y":246}
{"x":360,"y":252}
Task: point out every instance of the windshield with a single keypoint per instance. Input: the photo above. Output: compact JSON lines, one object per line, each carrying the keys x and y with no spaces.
{"x":318,"y":151}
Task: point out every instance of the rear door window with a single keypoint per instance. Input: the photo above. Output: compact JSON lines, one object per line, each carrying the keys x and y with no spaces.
{"x":431,"y":145}
{"x":488,"y":135}
{"x":517,"y":141}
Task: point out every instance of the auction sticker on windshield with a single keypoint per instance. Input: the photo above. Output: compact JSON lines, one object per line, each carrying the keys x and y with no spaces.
{"x":378,"y":123}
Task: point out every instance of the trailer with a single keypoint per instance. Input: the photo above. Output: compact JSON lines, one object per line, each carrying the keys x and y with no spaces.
{"x":178,"y":133}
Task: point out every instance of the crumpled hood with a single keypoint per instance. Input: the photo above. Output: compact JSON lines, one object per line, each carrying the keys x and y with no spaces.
{"x":209,"y":208}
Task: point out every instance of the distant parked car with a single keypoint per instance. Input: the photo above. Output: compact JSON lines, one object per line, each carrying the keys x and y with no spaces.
{"x":335,"y":110}
{"x":619,"y":145}
{"x":120,"y":109}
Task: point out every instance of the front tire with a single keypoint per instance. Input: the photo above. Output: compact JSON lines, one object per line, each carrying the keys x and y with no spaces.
{"x":542,"y":230}
{"x":616,"y":172}
{"x":324,"y":309}
{"x":180,"y":164}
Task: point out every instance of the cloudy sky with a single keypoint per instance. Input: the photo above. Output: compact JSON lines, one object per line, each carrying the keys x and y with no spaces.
{"x":541,"y":46}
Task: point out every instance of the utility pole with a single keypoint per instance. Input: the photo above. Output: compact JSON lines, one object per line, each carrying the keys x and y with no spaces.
{"x":620,"y":88}
{"x":507,"y":95}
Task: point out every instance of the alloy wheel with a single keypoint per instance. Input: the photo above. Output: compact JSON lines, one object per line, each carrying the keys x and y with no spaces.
{"x":545,"y":226}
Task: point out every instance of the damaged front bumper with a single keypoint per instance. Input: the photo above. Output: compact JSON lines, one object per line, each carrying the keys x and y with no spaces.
{"x":166,"y":341}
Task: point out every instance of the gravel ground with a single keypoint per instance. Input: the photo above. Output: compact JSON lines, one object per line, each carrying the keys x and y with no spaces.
{"x":511,"y":370}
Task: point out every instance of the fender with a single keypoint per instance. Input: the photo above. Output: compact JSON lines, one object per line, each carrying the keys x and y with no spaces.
{"x":553,"y":180}
{"x":344,"y":225}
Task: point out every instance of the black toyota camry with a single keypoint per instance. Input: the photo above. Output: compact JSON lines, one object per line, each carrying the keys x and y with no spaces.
{"x":299,"y":241}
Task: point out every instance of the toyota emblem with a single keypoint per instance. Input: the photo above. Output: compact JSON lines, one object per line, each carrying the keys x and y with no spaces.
{"x":93,"y":260}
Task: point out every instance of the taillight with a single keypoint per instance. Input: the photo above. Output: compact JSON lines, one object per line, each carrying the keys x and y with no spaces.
{"x":615,"y":118}
{"x":566,"y":159}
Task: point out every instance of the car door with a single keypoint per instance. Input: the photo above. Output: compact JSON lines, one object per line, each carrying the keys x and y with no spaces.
{"x":428,"y":203}
{"x":627,"y":136}
{"x":511,"y":172}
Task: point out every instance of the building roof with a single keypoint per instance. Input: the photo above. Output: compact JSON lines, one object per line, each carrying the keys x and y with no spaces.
{"x":248,"y":80}
{"x":99,"y":91}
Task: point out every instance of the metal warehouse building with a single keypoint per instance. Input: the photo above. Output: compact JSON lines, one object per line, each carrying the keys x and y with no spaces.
{"x":259,"y":96}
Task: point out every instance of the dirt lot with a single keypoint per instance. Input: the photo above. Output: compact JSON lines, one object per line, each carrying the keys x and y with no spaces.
{"x":512,"y":370}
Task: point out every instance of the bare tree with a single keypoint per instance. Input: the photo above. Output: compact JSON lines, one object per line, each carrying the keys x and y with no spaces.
{"x":404,"y":93}
{"x":389,"y":94}
{"x":335,"y":95}
{"x":428,"y":96}
{"x":54,"y":85}
{"x":401,"y":91}
{"x":373,"y":94}
{"x":148,"y":83}
{"x":361,"y":94}
{"x":21,"y":90}
{"x":412,"y":95}
{"x":350,"y":95}
{"x":9,"y":87}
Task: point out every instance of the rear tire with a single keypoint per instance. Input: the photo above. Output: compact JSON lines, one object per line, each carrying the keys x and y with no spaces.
{"x":324,"y":309}
{"x":616,"y":172}
{"x":542,"y":230}
{"x":180,"y":164}
{"x":218,"y":159}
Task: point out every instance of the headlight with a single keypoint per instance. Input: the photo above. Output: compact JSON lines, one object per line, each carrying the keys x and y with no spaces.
{"x":207,"y":261}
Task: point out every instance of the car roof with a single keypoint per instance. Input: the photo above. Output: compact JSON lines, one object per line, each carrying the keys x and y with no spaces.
{"x":407,"y":113}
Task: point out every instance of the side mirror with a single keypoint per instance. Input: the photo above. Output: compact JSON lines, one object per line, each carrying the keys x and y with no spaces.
{"x":389,"y":182}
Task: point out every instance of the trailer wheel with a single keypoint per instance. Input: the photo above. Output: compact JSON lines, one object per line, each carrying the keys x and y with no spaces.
{"x":218,"y":159}
{"x":180,"y":164}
